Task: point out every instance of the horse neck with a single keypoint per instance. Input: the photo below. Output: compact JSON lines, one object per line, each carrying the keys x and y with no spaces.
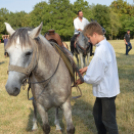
{"x":48,"y":60}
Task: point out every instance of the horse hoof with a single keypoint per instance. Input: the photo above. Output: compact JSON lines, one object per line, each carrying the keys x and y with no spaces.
{"x":59,"y":131}
{"x":46,"y":128}
{"x":58,"y":128}
{"x":71,"y":131}
{"x":35,"y":127}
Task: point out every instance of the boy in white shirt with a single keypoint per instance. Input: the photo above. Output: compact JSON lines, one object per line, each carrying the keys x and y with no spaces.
{"x":102,"y":73}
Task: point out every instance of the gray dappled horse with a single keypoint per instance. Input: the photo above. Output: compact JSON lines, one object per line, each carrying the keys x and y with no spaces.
{"x":31,"y":55}
{"x":83,"y":49}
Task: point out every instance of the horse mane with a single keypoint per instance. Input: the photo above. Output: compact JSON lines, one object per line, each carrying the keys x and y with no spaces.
{"x":24,"y":38}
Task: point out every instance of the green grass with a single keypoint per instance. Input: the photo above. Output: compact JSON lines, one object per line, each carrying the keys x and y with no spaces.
{"x":16,"y":112}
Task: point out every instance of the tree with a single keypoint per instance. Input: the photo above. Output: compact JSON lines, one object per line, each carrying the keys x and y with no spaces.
{"x":55,"y":15}
{"x":115,"y":24}
{"x":125,"y":13}
{"x":3,"y":18}
{"x":102,"y":15}
{"x":19,"y":19}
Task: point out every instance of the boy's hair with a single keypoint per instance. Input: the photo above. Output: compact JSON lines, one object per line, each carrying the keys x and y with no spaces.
{"x":128,"y":30}
{"x":93,"y":27}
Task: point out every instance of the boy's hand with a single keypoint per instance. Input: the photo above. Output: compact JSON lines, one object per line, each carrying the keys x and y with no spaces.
{"x":78,"y":82}
{"x":83,"y":70}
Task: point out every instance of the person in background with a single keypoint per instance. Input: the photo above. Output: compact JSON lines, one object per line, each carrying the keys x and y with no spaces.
{"x":102,"y":73}
{"x":79,"y":24}
{"x":127,"y":42}
{"x":5,"y":39}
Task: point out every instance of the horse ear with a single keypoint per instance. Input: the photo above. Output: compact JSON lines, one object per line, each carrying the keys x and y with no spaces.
{"x":36,"y":31}
{"x":9,"y":29}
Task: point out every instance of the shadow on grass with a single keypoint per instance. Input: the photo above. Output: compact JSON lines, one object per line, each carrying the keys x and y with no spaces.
{"x":2,"y":62}
{"x":83,"y":113}
{"x":51,"y":116}
{"x":78,"y":110}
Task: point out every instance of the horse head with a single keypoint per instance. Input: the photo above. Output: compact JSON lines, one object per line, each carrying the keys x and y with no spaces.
{"x":82,"y":41}
{"x":21,"y":51}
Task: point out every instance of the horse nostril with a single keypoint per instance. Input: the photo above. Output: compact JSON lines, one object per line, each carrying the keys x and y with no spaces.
{"x":16,"y":91}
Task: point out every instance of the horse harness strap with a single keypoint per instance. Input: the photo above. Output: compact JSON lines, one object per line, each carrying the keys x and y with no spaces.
{"x":65,"y":59}
{"x":28,"y":70}
{"x":31,"y":66}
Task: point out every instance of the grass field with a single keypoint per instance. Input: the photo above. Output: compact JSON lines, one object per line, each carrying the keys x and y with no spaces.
{"x":16,"y":112}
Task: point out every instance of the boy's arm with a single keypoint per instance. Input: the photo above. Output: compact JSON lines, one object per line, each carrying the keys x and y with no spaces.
{"x":83,"y":70}
{"x":95,"y":71}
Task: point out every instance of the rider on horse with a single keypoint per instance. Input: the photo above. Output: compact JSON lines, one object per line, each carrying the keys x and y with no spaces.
{"x":79,"y":24}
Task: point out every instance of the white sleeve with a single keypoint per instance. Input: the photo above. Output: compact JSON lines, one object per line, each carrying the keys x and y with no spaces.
{"x":76,"y":25}
{"x":95,"y":71}
{"x":88,"y":22}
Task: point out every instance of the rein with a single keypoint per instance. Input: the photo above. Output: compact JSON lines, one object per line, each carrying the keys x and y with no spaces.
{"x":31,"y":67}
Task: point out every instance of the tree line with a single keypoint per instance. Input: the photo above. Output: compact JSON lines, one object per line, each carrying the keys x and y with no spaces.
{"x":59,"y":15}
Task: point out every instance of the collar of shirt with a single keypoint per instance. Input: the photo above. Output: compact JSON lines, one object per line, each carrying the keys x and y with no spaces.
{"x":101,"y":42}
{"x":79,"y":19}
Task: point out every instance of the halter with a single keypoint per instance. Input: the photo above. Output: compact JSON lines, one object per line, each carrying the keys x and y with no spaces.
{"x":27,"y":71}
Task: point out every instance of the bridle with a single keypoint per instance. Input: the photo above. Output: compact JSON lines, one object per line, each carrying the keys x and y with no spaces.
{"x":27,"y":71}
{"x":32,"y":66}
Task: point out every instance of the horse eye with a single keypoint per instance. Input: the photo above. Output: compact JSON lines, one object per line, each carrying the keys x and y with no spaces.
{"x":28,"y":53}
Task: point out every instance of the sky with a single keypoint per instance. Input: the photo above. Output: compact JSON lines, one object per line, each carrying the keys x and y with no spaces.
{"x":27,"y":5}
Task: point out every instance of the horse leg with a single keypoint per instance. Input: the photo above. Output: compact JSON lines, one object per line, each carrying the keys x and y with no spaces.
{"x":44,"y":117}
{"x":81,"y":58}
{"x":57,"y":124}
{"x":84,"y":61}
{"x":76,"y":55}
{"x":35,"y":127}
{"x":88,"y":56}
{"x":68,"y":116}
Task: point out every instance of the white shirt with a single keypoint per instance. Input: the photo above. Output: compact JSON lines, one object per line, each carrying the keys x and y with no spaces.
{"x":80,"y":24}
{"x":102,"y":71}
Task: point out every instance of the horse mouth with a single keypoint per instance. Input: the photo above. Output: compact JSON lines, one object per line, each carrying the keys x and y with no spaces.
{"x":13,"y":92}
{"x":16,"y":92}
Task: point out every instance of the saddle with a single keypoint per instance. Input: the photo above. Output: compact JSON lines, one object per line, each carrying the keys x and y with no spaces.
{"x":55,"y":41}
{"x":54,"y":37}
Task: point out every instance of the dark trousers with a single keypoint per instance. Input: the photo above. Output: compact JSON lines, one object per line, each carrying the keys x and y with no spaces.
{"x":72,"y":43}
{"x":128,"y":47}
{"x":104,"y":112}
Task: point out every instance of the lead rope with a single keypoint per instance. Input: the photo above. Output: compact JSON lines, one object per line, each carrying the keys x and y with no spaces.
{"x":42,"y":81}
{"x":77,"y":87}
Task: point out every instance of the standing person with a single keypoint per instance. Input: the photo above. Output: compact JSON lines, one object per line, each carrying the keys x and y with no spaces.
{"x":102,"y":73}
{"x":79,"y":24}
{"x":5,"y":39}
{"x":127,"y":42}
